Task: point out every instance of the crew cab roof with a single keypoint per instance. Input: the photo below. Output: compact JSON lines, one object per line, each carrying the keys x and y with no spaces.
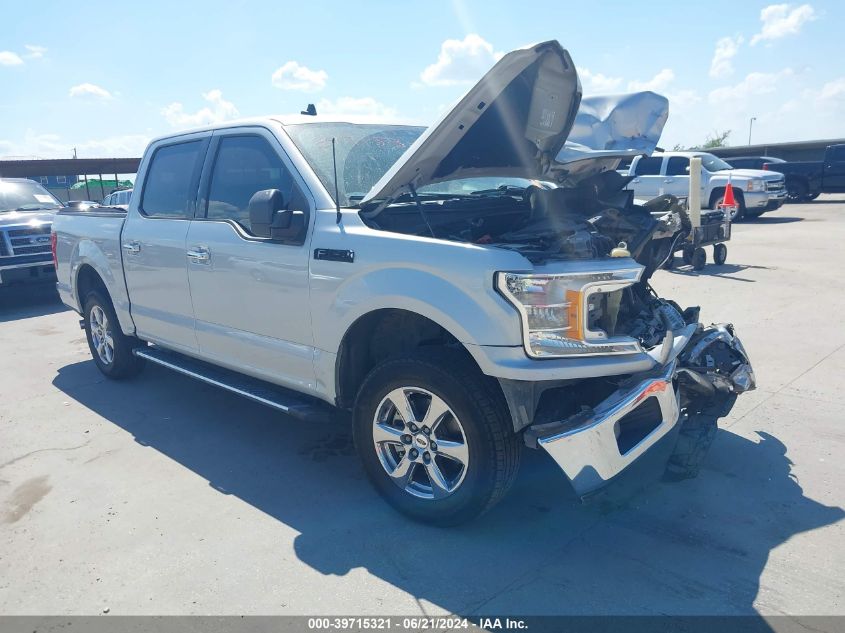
{"x":274,"y":120}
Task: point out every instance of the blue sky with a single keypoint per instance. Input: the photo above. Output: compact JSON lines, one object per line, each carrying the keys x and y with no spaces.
{"x":104,"y":77}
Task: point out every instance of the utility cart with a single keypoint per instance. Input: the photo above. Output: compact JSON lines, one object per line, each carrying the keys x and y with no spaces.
{"x":706,"y":227}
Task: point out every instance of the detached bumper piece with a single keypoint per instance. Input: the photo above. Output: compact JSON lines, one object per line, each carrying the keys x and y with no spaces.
{"x":594,"y":446}
{"x":693,"y":390}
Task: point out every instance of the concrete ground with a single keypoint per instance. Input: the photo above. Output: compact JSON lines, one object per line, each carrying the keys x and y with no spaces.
{"x":165,"y":496}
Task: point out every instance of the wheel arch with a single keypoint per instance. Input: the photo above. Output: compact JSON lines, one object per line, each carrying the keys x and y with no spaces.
{"x":718,"y":192}
{"x":382,"y":334}
{"x":88,"y":279}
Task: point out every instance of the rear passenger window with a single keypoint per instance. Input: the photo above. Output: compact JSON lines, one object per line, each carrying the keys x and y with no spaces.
{"x":677,"y":166}
{"x":168,"y":189}
{"x":245,"y":165}
{"x":648,"y":166}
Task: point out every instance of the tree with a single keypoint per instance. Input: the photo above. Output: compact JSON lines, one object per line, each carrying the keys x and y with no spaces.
{"x":717,"y":139}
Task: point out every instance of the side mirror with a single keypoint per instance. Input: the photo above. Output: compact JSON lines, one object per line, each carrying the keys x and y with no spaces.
{"x":269,"y":217}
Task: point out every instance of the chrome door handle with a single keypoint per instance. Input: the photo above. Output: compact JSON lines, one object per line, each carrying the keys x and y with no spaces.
{"x":635,"y":180}
{"x":132,"y":247}
{"x":669,"y":180}
{"x":199,"y":254}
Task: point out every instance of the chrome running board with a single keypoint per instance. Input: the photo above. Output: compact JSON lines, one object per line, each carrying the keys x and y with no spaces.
{"x":286,"y":400}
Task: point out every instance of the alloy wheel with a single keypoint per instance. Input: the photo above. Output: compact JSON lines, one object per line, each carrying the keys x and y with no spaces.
{"x":420,"y":443}
{"x":101,"y":335}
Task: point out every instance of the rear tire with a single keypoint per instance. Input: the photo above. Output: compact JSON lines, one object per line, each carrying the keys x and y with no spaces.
{"x":111,"y":349}
{"x":403,"y":446}
{"x":720,"y":254}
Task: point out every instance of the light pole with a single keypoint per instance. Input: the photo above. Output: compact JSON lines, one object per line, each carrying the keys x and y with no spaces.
{"x":750,"y":123}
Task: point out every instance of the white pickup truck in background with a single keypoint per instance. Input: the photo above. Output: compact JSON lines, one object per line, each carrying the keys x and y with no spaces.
{"x":756,"y":191}
{"x":464,"y":290}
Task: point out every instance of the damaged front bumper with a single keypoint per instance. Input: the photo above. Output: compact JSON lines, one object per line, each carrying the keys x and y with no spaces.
{"x":597,"y":444}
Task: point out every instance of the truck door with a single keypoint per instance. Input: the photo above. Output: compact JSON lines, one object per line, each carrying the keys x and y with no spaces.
{"x":647,"y":179}
{"x":250,"y":294}
{"x":834,"y":168}
{"x":676,"y":179}
{"x":153,"y":243}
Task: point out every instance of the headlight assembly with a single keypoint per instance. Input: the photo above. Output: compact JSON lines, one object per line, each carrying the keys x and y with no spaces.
{"x":561,"y":313}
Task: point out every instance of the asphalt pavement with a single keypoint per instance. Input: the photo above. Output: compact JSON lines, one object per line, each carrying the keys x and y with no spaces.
{"x":162,"y":495}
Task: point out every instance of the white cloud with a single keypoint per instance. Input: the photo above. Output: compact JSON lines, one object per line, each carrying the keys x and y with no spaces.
{"x":753,"y":84}
{"x":293,"y":76}
{"x":833,"y":89}
{"x":657,"y":83}
{"x":357,"y":110}
{"x":218,"y":110}
{"x":89,"y":90}
{"x":460,"y":62}
{"x":780,"y":20}
{"x":35,"y":52}
{"x":597,"y":83}
{"x":722,"y":62}
{"x":8,"y":58}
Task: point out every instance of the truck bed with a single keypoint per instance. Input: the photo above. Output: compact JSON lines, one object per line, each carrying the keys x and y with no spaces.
{"x":91,"y":237}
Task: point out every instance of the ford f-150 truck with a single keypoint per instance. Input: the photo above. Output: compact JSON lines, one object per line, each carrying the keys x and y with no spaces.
{"x":464,"y":290}
{"x":805,"y":180}
{"x":26,"y":213}
{"x":756,"y":191}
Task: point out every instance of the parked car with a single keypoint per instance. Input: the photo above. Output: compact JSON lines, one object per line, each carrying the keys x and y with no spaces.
{"x":117,"y":199}
{"x":805,"y":180}
{"x":26,"y":215}
{"x":756,"y":191}
{"x":752,"y":162}
{"x":457,"y":289}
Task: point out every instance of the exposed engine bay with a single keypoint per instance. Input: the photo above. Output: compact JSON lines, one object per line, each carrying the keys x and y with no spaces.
{"x":541,"y":222}
{"x":594,"y":220}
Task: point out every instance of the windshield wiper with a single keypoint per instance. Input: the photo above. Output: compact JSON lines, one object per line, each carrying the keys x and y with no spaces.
{"x":29,"y":207}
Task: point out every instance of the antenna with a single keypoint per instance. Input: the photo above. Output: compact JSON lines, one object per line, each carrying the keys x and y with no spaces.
{"x":309,"y":111}
{"x":336,"y":193}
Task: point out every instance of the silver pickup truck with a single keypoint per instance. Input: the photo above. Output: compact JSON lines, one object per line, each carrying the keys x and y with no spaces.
{"x":464,"y":290}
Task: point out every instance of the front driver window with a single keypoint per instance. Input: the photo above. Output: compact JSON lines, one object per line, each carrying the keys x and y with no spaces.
{"x":243,"y":166}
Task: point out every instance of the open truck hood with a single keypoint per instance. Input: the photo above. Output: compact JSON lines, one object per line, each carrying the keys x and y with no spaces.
{"x":511,"y":123}
{"x":523,"y":120}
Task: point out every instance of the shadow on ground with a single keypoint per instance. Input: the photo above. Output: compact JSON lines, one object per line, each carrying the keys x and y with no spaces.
{"x":29,"y":300}
{"x":774,"y":219}
{"x":725,"y":271}
{"x":695,"y":547}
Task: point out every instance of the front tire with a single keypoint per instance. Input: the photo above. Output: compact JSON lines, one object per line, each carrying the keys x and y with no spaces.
{"x":435,"y":437}
{"x":110,"y":348}
{"x":739,"y":214}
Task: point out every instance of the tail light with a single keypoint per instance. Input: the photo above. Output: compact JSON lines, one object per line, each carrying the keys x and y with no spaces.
{"x":53,"y":241}
{"x":766,"y":166}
